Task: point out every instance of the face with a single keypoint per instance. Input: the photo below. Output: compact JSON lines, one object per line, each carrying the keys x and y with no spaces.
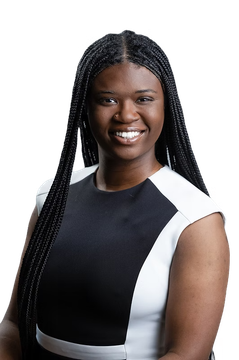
{"x":126,"y":112}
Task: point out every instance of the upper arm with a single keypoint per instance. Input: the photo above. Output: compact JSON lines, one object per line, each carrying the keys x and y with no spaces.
{"x":11,"y":313}
{"x":197,"y":288}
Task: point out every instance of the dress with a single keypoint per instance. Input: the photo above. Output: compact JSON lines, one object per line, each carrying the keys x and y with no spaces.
{"x":103,"y":292}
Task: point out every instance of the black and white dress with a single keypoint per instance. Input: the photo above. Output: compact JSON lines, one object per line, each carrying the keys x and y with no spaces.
{"x":104,"y":289}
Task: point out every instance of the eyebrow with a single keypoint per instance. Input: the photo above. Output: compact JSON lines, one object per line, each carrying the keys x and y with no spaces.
{"x":145,"y":91}
{"x":136,"y":92}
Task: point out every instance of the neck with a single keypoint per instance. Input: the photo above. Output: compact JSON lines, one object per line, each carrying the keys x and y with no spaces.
{"x":115,"y":176}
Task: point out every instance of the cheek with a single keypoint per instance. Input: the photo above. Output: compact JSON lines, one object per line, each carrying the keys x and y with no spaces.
{"x":156,"y":121}
{"x":99,"y":117}
{"x":98,"y":124}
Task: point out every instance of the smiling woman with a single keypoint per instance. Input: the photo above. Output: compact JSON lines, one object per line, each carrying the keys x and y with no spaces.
{"x":127,"y":258}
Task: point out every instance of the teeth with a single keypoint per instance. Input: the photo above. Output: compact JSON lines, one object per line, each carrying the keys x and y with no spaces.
{"x":127,"y":135}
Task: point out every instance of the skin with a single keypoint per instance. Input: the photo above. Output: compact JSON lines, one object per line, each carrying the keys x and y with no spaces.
{"x":126,"y":97}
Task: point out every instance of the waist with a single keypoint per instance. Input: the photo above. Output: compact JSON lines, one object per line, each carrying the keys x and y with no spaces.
{"x":79,"y":351}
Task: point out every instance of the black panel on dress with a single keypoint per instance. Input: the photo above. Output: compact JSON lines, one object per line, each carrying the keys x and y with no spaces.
{"x":87,"y":287}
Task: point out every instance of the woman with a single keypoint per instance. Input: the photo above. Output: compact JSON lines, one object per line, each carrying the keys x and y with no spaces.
{"x":131,"y":260}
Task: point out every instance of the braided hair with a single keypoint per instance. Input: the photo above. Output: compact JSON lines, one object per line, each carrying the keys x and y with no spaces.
{"x":172,"y":148}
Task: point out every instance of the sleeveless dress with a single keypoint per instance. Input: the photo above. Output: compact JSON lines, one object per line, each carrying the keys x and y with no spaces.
{"x":104,"y":289}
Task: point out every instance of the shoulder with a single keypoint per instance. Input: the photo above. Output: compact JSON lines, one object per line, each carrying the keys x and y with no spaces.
{"x":191,"y":202}
{"x":45,"y":187}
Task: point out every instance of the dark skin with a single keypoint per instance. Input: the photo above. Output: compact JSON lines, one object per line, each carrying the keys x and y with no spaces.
{"x":126,"y":98}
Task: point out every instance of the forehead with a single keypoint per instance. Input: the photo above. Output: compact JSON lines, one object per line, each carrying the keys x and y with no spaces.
{"x":126,"y":75}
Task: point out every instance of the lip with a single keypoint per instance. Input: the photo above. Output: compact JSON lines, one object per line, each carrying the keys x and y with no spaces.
{"x":126,"y":141}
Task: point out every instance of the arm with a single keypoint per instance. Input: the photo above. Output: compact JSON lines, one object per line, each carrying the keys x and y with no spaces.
{"x":10,"y":348}
{"x":197,"y":290}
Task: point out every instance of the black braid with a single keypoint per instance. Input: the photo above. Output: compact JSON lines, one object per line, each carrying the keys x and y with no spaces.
{"x":172,"y":148}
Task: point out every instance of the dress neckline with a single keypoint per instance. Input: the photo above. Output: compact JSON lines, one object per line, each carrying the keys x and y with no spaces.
{"x":123,"y":190}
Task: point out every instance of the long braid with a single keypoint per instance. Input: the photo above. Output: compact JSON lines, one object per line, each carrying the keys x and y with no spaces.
{"x":45,"y":233}
{"x":172,"y":148}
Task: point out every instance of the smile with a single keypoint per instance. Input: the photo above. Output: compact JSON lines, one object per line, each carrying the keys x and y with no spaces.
{"x":127,"y":138}
{"x":128,"y":134}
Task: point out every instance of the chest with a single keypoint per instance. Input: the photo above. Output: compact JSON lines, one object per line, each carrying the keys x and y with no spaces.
{"x":106,"y":258}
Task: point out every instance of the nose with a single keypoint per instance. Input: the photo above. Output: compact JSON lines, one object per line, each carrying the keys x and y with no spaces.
{"x":127,"y":113}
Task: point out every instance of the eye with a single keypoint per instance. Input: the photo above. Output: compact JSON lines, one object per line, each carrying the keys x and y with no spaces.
{"x":144,"y":99}
{"x":107,"y":101}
